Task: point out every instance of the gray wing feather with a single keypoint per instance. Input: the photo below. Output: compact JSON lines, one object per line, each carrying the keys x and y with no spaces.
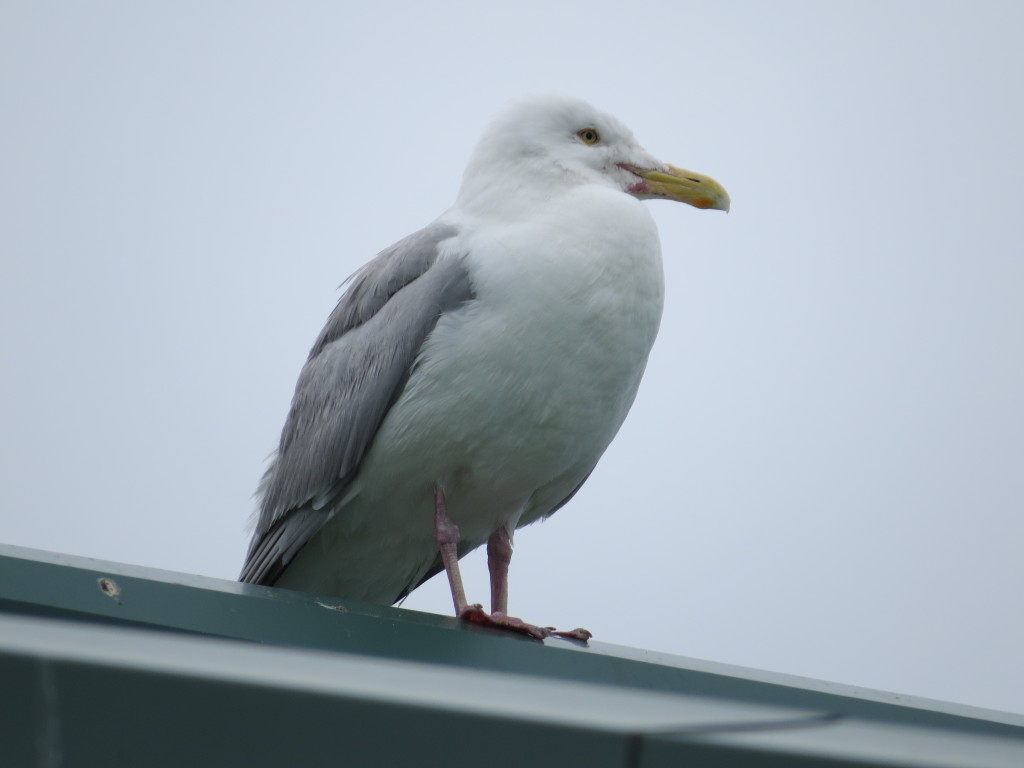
{"x":356,"y":370}
{"x":373,"y":285}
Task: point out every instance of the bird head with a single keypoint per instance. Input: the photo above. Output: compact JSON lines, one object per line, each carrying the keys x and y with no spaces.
{"x":566,"y":143}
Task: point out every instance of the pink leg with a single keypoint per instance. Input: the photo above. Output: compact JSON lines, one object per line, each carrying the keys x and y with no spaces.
{"x":446,"y":534}
{"x":499,"y":555}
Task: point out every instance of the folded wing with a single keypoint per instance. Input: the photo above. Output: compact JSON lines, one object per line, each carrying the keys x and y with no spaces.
{"x":356,"y":370}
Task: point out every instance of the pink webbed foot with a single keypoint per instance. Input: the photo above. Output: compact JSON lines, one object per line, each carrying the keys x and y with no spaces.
{"x":581,"y":634}
{"x":477,"y":615}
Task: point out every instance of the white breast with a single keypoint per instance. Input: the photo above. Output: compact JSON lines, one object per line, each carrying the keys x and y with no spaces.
{"x":515,"y":397}
{"x":528,"y":385}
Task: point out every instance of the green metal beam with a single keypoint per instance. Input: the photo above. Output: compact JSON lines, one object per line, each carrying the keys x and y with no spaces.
{"x":108,"y":694}
{"x":108,"y":664}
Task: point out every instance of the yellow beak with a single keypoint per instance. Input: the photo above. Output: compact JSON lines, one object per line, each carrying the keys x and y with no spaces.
{"x":683,"y":186}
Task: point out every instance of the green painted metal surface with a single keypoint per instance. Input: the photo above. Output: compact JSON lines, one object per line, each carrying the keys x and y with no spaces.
{"x":108,"y":664}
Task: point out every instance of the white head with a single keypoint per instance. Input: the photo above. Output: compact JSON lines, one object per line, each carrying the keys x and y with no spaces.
{"x":545,"y":145}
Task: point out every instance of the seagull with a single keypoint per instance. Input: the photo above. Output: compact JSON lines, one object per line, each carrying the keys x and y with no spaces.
{"x":472,"y":374}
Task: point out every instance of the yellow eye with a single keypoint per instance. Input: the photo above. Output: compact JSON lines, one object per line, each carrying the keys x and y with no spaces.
{"x":589,"y":136}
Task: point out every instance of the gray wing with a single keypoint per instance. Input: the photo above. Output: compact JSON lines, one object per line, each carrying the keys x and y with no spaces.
{"x":356,"y":370}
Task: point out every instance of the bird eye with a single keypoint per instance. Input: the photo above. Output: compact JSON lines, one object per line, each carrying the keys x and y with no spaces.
{"x":589,"y":136}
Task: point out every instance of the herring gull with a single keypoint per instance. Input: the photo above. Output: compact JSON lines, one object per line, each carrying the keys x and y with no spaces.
{"x":472,"y":374}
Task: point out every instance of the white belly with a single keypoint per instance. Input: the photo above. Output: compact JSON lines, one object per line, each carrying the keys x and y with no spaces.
{"x":513,"y":400}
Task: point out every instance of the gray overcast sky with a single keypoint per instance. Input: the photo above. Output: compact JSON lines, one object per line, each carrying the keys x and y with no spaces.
{"x":824,"y":471}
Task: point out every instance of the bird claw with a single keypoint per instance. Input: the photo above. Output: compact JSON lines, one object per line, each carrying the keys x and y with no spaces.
{"x":476,"y":614}
{"x":581,"y":634}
